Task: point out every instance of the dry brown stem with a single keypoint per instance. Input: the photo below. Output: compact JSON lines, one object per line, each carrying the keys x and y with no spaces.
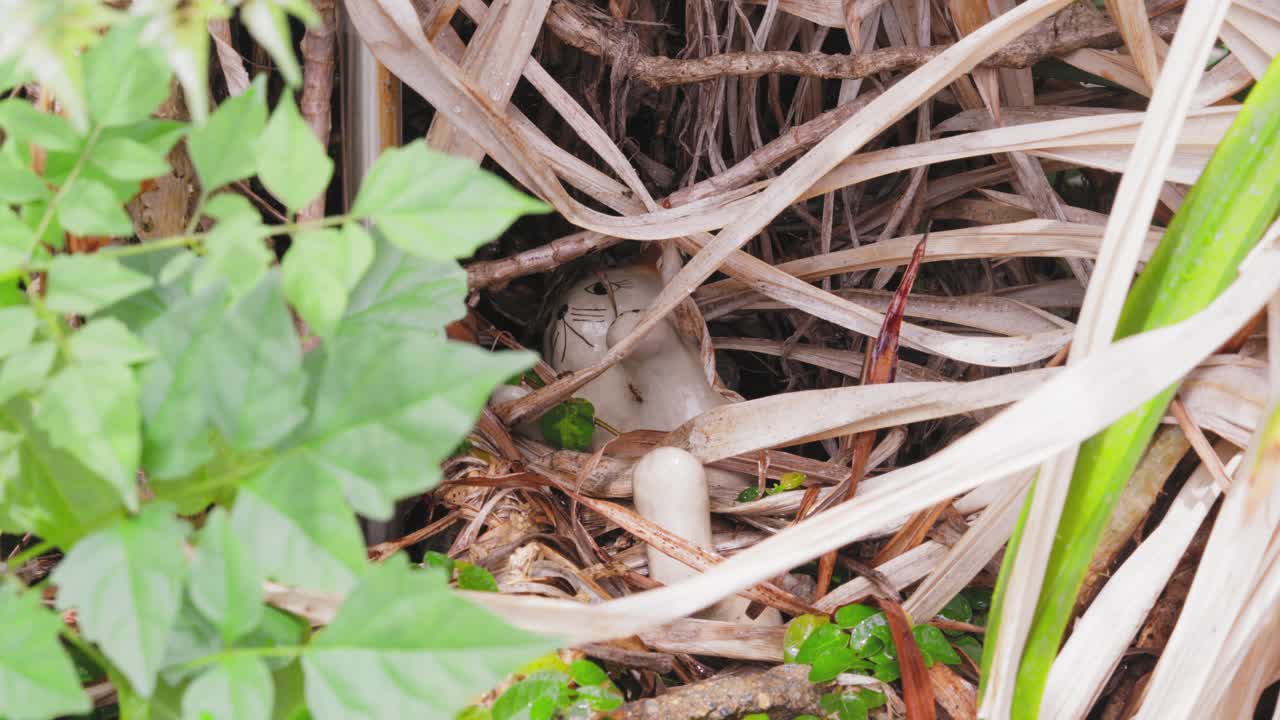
{"x":1070,"y":31}
{"x":317,"y":86}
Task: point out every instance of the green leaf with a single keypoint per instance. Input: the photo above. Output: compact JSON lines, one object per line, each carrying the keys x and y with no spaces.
{"x":236,"y":687}
{"x":52,"y":494}
{"x":225,"y":148}
{"x":26,"y":369}
{"x":404,"y":645}
{"x":176,"y":426}
{"x":20,"y":119}
{"x":127,"y":159}
{"x":269,"y":26}
{"x":107,"y":340}
{"x":474,"y":577}
{"x":748,"y":494}
{"x":16,"y":240}
{"x":798,"y":631}
{"x":791,"y":481}
{"x":126,"y":584}
{"x":585,"y":672}
{"x":156,"y":134}
{"x":37,"y":679}
{"x":404,"y":293}
{"x":291,"y":162}
{"x":438,"y":206}
{"x":535,"y":698}
{"x":253,"y":379}
{"x":934,"y":645}
{"x":834,"y":660}
{"x":319,"y":269}
{"x":439,"y":561}
{"x":84,"y":284}
{"x":852,"y":614}
{"x":958,"y":609}
{"x":300,"y":527}
{"x":236,"y":255}
{"x":91,"y":411}
{"x":820,"y":640}
{"x":17,"y":327}
{"x":969,"y":645}
{"x":888,"y":671}
{"x":229,"y":205}
{"x":124,"y":80}
{"x":869,"y":636}
{"x":569,"y":425}
{"x":226,"y":585}
{"x":19,"y":184}
{"x":90,"y":208}
{"x":11,"y":75}
{"x":379,"y":409}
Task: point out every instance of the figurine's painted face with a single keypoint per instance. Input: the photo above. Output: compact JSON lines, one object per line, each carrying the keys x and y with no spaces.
{"x":577,"y":335}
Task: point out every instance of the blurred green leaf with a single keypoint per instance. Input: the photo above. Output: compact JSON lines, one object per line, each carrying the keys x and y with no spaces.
{"x":225,"y":148}
{"x":416,"y":649}
{"x":91,"y":411}
{"x":107,"y":340}
{"x":125,"y":583}
{"x":17,"y":327}
{"x":88,"y":207}
{"x":569,"y":425}
{"x":127,"y":159}
{"x":21,"y":120}
{"x":37,"y":677}
{"x":460,"y":209}
{"x":320,"y":268}
{"x":26,"y":369}
{"x":124,"y":80}
{"x":291,"y":162}
{"x":84,"y":284}
{"x":585,"y":672}
{"x":226,"y":585}
{"x":237,"y":687}
{"x":474,"y":577}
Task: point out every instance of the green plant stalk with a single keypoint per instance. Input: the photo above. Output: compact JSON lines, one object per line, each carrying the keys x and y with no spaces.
{"x":1221,"y":220}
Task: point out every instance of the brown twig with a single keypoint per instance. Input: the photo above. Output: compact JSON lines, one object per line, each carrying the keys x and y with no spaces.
{"x":1070,"y":31}
{"x":784,"y":691}
{"x":317,"y":86}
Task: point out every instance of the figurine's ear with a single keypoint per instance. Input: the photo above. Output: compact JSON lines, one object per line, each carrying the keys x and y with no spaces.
{"x":664,"y":257}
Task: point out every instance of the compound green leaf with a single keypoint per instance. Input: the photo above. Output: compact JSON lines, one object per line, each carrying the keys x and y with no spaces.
{"x":438,"y":206}
{"x":226,"y":585}
{"x":37,"y":679}
{"x":89,"y":207}
{"x":404,"y":645}
{"x":126,"y":584}
{"x":379,"y":409}
{"x":237,"y":687}
{"x":16,"y":240}
{"x":91,"y":411}
{"x":291,"y":161}
{"x":83,"y":284}
{"x":124,"y":79}
{"x":300,"y":527}
{"x":225,"y":148}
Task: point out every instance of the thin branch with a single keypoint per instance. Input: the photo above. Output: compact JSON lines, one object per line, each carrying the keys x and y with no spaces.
{"x":1072,"y":30}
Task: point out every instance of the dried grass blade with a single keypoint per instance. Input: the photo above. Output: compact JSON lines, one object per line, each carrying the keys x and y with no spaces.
{"x":1201,"y":249}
